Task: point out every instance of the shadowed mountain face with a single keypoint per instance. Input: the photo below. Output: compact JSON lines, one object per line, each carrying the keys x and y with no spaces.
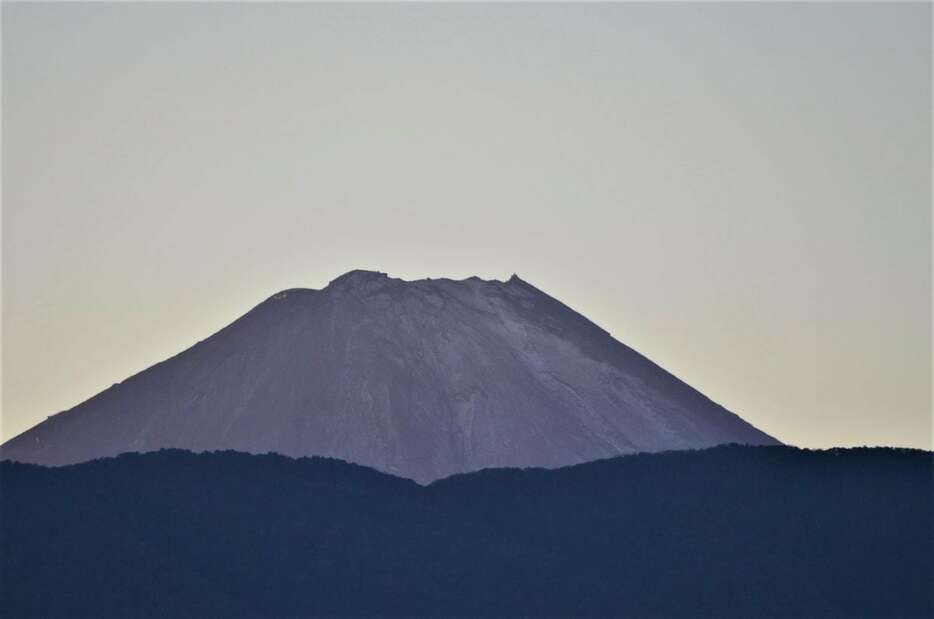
{"x":422,"y":379}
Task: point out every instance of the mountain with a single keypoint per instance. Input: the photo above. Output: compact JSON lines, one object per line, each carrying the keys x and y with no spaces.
{"x":725,"y":532}
{"x":421,"y":379}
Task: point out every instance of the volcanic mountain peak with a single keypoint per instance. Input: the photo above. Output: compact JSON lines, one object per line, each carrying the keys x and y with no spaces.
{"x":359,"y":277}
{"x":421,"y":378}
{"x":366,"y":277}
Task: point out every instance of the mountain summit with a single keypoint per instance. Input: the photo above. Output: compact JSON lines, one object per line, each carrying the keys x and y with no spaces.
{"x":422,"y":379}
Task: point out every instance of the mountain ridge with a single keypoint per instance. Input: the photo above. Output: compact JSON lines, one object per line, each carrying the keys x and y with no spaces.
{"x":497,"y":471}
{"x":421,"y":378}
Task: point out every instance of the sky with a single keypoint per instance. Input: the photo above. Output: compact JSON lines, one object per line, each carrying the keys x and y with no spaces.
{"x":741,"y":192}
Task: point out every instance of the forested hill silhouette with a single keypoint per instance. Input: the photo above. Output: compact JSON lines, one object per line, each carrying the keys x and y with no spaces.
{"x":728,"y":531}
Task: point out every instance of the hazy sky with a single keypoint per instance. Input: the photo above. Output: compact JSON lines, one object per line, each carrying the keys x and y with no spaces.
{"x":741,"y":192}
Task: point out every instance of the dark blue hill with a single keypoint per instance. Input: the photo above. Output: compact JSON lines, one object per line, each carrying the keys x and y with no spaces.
{"x":729,"y":531}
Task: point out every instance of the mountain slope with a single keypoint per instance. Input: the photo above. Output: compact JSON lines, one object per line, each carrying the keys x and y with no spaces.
{"x":422,"y":379}
{"x":726,"y":532}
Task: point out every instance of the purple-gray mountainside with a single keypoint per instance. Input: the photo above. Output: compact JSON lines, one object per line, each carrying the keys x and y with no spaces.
{"x":421,"y":379}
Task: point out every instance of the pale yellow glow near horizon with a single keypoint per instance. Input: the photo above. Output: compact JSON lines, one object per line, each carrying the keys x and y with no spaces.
{"x":741,"y":192}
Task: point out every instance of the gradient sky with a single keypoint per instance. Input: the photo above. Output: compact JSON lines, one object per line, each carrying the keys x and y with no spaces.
{"x":740,"y":192}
